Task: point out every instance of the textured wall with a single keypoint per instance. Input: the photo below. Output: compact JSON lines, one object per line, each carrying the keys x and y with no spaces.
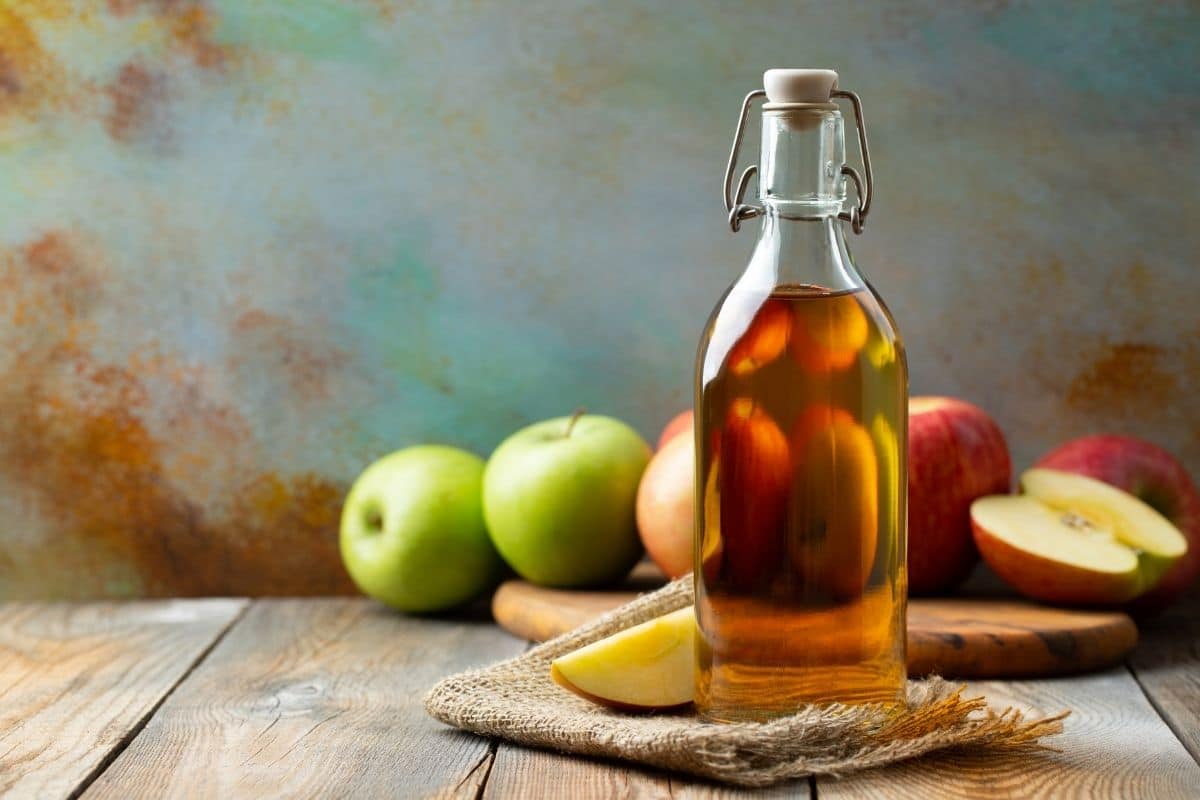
{"x":248,"y":245}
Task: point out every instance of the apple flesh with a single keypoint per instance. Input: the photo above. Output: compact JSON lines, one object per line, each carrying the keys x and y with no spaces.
{"x":412,"y":531}
{"x":956,"y":454}
{"x":1098,"y":506}
{"x":1075,"y":540}
{"x":666,"y":506}
{"x":643,"y":668}
{"x":1158,"y":479}
{"x":559,"y":499}
{"x":1046,"y":555}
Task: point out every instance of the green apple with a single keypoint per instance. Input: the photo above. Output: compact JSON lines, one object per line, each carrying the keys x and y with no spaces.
{"x":560,"y":496}
{"x":412,"y":533}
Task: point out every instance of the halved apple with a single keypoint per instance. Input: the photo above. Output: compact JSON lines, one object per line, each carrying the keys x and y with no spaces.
{"x":1100,"y":506}
{"x":1047,"y":555}
{"x":643,"y":668}
{"x":1075,"y":540}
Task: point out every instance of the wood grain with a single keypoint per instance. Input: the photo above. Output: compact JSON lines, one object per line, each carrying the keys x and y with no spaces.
{"x":1114,"y":746}
{"x":315,"y":698}
{"x":969,"y":637}
{"x":76,"y":681}
{"x":540,"y":775}
{"x":1167,"y":665}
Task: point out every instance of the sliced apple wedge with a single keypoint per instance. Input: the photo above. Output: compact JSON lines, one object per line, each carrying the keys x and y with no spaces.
{"x":1044,"y":554}
{"x":643,"y":668}
{"x":1096,"y":505}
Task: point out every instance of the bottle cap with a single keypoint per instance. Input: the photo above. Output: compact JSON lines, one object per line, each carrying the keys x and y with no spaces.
{"x":799,"y":85}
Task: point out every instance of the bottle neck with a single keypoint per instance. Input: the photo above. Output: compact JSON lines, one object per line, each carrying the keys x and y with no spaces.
{"x":793,"y":252}
{"x":801,"y":187}
{"x":800,"y":169}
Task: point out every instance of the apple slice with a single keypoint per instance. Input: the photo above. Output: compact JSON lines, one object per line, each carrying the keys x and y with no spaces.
{"x":643,"y":668}
{"x":1048,"y":555}
{"x":829,"y":341}
{"x":1095,"y":504}
{"x":833,"y":526}
{"x":764,"y":340}
{"x":712,"y":548}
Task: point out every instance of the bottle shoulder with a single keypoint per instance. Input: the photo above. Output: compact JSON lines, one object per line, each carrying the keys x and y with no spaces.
{"x":753,"y":321}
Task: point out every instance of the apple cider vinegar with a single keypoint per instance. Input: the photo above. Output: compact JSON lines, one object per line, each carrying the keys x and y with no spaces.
{"x":801,"y":443}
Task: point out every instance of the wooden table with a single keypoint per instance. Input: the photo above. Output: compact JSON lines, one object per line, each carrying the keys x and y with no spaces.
{"x":322,"y":698}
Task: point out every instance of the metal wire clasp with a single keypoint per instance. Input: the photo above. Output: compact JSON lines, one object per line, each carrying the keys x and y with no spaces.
{"x":738,"y":210}
{"x":864,"y":189}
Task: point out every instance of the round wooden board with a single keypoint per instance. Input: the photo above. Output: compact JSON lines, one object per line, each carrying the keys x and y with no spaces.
{"x":959,"y":637}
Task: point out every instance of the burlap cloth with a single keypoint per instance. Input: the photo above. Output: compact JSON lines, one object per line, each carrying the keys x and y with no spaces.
{"x":516,"y":700}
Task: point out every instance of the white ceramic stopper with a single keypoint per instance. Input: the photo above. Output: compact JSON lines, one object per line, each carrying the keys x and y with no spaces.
{"x":799,"y":85}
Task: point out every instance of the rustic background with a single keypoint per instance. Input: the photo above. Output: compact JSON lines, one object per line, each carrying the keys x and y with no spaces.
{"x":249,"y":245}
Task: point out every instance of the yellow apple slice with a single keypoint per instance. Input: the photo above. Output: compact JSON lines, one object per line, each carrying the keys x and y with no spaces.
{"x":646,"y":667}
{"x":1047,"y":555}
{"x":1099,"y":506}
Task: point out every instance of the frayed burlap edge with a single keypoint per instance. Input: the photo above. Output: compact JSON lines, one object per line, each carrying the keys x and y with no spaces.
{"x":516,"y":700}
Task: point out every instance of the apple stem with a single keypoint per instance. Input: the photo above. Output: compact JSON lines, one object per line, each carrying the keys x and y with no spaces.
{"x":579,"y":412}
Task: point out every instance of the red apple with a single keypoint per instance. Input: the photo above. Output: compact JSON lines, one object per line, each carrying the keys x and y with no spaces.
{"x":764,"y":340}
{"x":956,"y":453}
{"x":1158,"y":479}
{"x":834,"y":522}
{"x":666,"y":506}
{"x":680,"y":423}
{"x":753,"y":479}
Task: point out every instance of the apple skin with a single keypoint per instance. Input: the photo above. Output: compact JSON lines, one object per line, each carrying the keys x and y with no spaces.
{"x":559,"y":500}
{"x":1155,"y":477}
{"x":412,"y":532}
{"x":956,"y":453}
{"x":666,"y":506}
{"x":754,"y":477}
{"x":680,"y":423}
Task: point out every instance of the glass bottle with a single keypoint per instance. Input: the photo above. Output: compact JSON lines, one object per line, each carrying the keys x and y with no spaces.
{"x":801,"y":438}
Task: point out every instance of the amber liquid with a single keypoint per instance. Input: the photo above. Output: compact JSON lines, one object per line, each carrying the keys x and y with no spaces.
{"x":802,"y":444}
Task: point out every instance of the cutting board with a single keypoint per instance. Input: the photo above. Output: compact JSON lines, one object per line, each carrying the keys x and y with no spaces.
{"x":956,"y":637}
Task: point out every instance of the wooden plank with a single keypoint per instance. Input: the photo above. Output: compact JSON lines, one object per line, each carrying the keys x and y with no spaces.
{"x":76,"y":681}
{"x":541,"y":775}
{"x":1167,"y":665}
{"x":1114,"y":745}
{"x":315,"y":698}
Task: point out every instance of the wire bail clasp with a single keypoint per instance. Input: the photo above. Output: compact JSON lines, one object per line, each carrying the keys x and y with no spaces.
{"x":864,"y":188}
{"x":738,"y":210}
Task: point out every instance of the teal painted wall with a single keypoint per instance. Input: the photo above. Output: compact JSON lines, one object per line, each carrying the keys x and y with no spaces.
{"x":250,"y":245}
